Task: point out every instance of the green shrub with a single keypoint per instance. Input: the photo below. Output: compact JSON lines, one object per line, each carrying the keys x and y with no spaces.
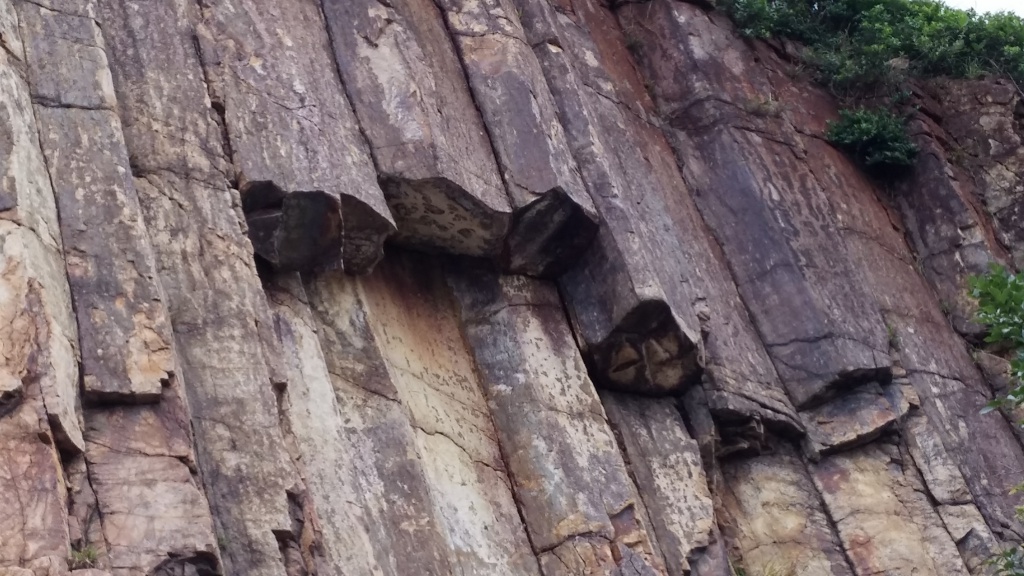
{"x":877,"y":139}
{"x":855,"y":42}
{"x":1000,"y":297}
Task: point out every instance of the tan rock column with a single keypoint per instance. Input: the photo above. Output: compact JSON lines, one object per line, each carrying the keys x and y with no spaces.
{"x":573,"y":489}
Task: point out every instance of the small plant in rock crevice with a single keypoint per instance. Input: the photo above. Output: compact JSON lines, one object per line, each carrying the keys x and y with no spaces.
{"x":83,"y":558}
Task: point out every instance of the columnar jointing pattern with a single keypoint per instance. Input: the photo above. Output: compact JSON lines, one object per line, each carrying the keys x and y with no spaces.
{"x":631,"y":322}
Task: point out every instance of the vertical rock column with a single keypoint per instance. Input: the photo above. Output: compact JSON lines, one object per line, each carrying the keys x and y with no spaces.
{"x":38,"y":363}
{"x":555,"y":219}
{"x":415,"y":323}
{"x":654,"y":254}
{"x":375,"y":434}
{"x":433,"y":155}
{"x":216,"y":302}
{"x":751,"y":181}
{"x":574,"y":491}
{"x":307,"y":183}
{"x":135,"y":500}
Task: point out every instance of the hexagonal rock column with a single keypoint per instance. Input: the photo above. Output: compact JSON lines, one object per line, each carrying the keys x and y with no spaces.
{"x":753,"y":182}
{"x":122,"y":320}
{"x":307,"y":182}
{"x":555,"y":218}
{"x":432,"y":152}
{"x":575,"y":494}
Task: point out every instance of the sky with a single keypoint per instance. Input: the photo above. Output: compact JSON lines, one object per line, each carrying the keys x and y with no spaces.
{"x":990,"y":5}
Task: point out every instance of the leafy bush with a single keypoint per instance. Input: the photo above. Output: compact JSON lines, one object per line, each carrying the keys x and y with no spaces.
{"x":1000,"y":296}
{"x":877,"y":139}
{"x":858,"y":44}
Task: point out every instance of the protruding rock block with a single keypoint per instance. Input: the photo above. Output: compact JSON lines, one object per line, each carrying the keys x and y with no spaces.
{"x":555,"y":219}
{"x":433,"y":155}
{"x":857,"y":417}
{"x":305,"y":175}
{"x":772,"y":218}
{"x":571,"y":483}
{"x":122,"y":321}
{"x":874,"y":494}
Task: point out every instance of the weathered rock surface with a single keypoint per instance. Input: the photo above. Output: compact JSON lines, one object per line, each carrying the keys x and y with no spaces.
{"x":734,"y":363}
{"x":122,"y":320}
{"x":555,"y":219}
{"x":770,"y":216}
{"x":570,"y":481}
{"x":303,"y":169}
{"x":433,"y":155}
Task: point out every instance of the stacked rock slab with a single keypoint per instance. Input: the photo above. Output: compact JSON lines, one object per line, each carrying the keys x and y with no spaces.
{"x":433,"y":155}
{"x":303,"y":169}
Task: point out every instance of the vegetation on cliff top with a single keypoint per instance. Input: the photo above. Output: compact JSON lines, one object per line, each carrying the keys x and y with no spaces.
{"x":868,"y":49}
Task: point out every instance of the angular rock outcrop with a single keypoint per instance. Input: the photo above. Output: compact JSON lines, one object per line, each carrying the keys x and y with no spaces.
{"x":555,"y":218}
{"x":303,"y":170}
{"x":433,"y":155}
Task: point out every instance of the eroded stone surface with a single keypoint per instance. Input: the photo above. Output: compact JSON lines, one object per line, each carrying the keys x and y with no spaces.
{"x":772,"y":218}
{"x":122,"y":320}
{"x":303,"y":170}
{"x":570,"y":481}
{"x":376,"y":430}
{"x":885,"y":523}
{"x":432,"y":152}
{"x":772,"y":516}
{"x":416,"y":325}
{"x":555,"y":219}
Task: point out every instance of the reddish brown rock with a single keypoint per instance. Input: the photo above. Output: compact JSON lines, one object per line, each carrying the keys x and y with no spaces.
{"x":303,"y":170}
{"x":433,"y":155}
{"x":555,"y":219}
{"x":773,"y":220}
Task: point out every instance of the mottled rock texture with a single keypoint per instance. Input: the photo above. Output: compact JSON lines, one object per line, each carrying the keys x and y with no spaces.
{"x":487,"y":288}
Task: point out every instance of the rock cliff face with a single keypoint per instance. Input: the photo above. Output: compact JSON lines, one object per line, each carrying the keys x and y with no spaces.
{"x":488,"y":288}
